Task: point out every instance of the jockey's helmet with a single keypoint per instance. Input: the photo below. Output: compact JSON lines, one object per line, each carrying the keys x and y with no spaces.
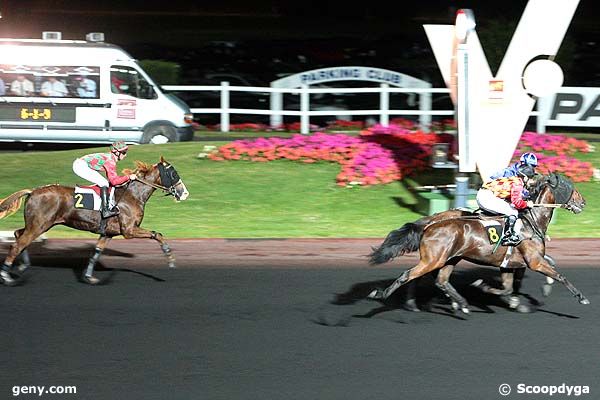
{"x":529,"y":159}
{"x":119,"y":147}
{"x":525,"y":170}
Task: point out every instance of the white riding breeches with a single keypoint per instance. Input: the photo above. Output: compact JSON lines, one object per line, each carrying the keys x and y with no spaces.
{"x":82,"y":170}
{"x":487,"y":200}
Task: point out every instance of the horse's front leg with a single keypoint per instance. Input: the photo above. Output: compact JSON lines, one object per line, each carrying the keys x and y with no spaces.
{"x":139,"y":233}
{"x":539,"y":264}
{"x":88,"y":273}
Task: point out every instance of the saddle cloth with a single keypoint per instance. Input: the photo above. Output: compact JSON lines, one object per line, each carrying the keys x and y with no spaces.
{"x":88,"y":197}
{"x":494,"y":229}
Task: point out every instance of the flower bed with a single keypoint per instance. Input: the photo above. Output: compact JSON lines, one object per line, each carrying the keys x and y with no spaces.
{"x":383,"y":154}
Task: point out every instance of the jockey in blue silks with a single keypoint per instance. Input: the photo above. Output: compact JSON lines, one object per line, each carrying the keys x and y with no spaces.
{"x":512,"y":170}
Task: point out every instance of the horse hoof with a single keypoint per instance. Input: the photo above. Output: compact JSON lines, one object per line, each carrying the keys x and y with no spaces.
{"x":546,"y":290}
{"x":22,"y":268}
{"x":411,"y":305}
{"x":524,"y":309}
{"x":584,"y":301}
{"x":92,"y":280}
{"x":376,"y":294}
{"x":513,"y":302}
{"x":7,"y":279}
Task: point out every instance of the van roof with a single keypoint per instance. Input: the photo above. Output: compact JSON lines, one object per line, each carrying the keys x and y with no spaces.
{"x":19,"y":51}
{"x":60,"y":43}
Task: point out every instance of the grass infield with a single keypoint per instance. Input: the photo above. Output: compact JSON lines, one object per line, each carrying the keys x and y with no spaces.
{"x":261,"y":200}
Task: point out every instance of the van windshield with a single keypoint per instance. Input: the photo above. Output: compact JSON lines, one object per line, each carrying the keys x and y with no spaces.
{"x":127,"y":80}
{"x":49,"y":81}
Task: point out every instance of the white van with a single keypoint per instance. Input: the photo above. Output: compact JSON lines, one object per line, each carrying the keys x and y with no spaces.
{"x":73,"y":91}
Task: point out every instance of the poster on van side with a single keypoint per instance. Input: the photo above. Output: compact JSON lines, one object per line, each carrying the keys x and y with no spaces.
{"x":49,"y":81}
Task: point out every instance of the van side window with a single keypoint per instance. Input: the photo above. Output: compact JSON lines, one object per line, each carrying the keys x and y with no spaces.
{"x":127,"y":80}
{"x":49,"y":81}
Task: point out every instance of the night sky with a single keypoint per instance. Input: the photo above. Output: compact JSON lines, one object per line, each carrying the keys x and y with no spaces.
{"x":173,"y":29}
{"x":193,"y":22}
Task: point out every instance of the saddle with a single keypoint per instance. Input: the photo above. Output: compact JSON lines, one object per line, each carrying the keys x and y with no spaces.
{"x":88,"y":197}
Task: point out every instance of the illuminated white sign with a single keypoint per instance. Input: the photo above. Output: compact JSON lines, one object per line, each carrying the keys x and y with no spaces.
{"x":497,"y":122}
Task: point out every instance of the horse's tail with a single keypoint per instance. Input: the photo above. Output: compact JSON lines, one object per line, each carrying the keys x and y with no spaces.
{"x":398,"y":242}
{"x":12,"y":203}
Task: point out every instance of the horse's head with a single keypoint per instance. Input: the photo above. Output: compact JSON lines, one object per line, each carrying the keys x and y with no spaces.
{"x":557,"y":189}
{"x":170,"y":180}
{"x":162,"y":176}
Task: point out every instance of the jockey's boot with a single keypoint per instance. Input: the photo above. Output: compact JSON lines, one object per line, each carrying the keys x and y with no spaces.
{"x":510,"y":238}
{"x":105,"y":210}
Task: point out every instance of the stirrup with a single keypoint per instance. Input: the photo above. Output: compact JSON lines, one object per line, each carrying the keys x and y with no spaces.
{"x":511,"y":240}
{"x":109,"y":213}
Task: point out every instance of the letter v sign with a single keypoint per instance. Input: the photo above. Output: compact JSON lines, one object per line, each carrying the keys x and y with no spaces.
{"x":496,"y":122}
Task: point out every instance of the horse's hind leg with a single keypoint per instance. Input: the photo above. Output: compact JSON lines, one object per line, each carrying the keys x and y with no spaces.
{"x":419,"y":270}
{"x":443,"y":283}
{"x":23,"y":238}
{"x":24,"y":256}
{"x":88,"y":273}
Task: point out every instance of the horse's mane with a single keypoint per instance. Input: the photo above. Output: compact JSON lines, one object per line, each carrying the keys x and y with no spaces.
{"x":141,"y":168}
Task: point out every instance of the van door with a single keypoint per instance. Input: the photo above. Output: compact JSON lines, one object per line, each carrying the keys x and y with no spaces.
{"x":135,"y":102}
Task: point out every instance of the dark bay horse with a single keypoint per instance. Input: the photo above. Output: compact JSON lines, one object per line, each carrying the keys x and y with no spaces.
{"x":443,"y":242}
{"x":51,"y":205}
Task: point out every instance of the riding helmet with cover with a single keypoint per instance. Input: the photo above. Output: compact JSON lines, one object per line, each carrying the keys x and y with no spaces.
{"x":119,"y":147}
{"x":529,"y":159}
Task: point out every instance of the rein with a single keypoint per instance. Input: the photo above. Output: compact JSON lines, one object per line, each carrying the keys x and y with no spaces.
{"x":154,"y":185}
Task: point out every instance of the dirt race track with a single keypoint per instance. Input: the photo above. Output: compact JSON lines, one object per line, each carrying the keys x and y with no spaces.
{"x":287,"y":319}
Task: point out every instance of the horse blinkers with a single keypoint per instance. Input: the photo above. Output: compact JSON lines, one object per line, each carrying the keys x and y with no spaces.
{"x":169,"y":178}
{"x":564,"y":193}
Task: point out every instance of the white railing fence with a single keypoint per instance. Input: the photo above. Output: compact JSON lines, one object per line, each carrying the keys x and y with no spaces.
{"x":277,"y":111}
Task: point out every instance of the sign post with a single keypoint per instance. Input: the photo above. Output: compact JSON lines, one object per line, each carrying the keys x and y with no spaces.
{"x":465,"y":24}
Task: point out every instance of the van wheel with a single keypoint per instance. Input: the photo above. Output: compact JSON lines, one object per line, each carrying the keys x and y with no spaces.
{"x":159,"y":134}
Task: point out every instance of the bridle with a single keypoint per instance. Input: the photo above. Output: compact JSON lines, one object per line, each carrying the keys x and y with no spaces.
{"x":562,"y":190}
{"x":168,"y":177}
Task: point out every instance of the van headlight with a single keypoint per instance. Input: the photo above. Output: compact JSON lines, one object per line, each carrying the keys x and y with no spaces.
{"x":188,"y":118}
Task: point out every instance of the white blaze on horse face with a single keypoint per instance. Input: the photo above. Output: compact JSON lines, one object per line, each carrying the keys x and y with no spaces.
{"x":499,"y":106}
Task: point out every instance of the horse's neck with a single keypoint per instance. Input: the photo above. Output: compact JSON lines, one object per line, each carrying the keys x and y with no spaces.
{"x":543,"y":215}
{"x":139,"y":191}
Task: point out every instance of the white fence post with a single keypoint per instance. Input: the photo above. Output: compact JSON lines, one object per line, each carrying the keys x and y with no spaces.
{"x":384,"y":105}
{"x":224,"y":106}
{"x":304,"y":109}
{"x":276,"y":100}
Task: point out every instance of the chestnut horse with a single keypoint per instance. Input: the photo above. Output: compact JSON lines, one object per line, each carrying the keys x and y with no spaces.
{"x":445,"y":241}
{"x":51,"y":205}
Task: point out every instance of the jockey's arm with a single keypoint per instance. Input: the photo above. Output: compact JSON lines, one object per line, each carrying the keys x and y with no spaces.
{"x":516,"y":196}
{"x":113,"y":178}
